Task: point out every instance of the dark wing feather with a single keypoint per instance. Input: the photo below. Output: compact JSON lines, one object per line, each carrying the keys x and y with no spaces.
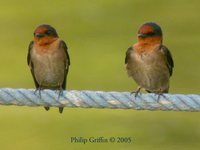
{"x":170,"y":62}
{"x":128,"y":54}
{"x":67,"y":62}
{"x":29,"y":49}
{"x":31,"y":64}
{"x":64,"y":47}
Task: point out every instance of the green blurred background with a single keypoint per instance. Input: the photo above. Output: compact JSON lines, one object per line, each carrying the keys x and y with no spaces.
{"x":98,"y":34}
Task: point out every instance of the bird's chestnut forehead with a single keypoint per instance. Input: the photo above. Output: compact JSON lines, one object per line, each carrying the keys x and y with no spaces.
{"x":41,"y":30}
{"x":146,"y":29}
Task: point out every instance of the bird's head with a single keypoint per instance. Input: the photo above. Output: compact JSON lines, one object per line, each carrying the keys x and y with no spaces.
{"x":150,"y":30}
{"x":45,"y":34}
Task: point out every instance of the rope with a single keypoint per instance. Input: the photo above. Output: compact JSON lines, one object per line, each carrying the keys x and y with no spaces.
{"x":99,"y":99}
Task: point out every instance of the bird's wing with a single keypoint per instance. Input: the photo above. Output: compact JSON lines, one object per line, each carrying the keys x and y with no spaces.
{"x":30,"y":64}
{"x":63,"y":46}
{"x":168,"y":56}
{"x":128,"y":54}
{"x":29,"y":55}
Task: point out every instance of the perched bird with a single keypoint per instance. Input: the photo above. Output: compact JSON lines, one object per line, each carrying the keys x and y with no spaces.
{"x":148,"y":61}
{"x":48,"y":60}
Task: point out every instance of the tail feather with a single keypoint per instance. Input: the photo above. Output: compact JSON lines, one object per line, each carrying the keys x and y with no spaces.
{"x":46,"y":108}
{"x":61,"y":109}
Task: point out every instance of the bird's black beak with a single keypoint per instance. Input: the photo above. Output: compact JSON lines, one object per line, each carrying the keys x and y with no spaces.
{"x":39,"y":35}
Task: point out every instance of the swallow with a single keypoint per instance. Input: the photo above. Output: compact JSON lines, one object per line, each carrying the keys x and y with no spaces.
{"x":148,"y":61}
{"x":48,"y":60}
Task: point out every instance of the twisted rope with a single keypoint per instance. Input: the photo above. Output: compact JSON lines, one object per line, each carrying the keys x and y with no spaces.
{"x":99,"y":99}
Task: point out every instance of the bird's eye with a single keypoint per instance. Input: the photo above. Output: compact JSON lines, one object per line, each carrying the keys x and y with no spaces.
{"x":48,"y":32}
{"x":151,"y":33}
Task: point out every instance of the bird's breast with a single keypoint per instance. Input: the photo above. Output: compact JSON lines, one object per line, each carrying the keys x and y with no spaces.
{"x":148,"y":69}
{"x":49,"y":66}
{"x":148,"y":61}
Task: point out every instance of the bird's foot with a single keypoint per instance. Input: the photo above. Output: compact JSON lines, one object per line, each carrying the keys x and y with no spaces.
{"x":160,"y":93}
{"x":137,"y":92}
{"x":39,"y":90}
{"x":60,"y":92}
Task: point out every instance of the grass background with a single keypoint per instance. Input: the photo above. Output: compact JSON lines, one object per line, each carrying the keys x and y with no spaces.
{"x":98,"y":34}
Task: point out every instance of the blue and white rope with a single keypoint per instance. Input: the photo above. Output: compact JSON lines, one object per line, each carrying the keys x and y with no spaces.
{"x":99,"y":99}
